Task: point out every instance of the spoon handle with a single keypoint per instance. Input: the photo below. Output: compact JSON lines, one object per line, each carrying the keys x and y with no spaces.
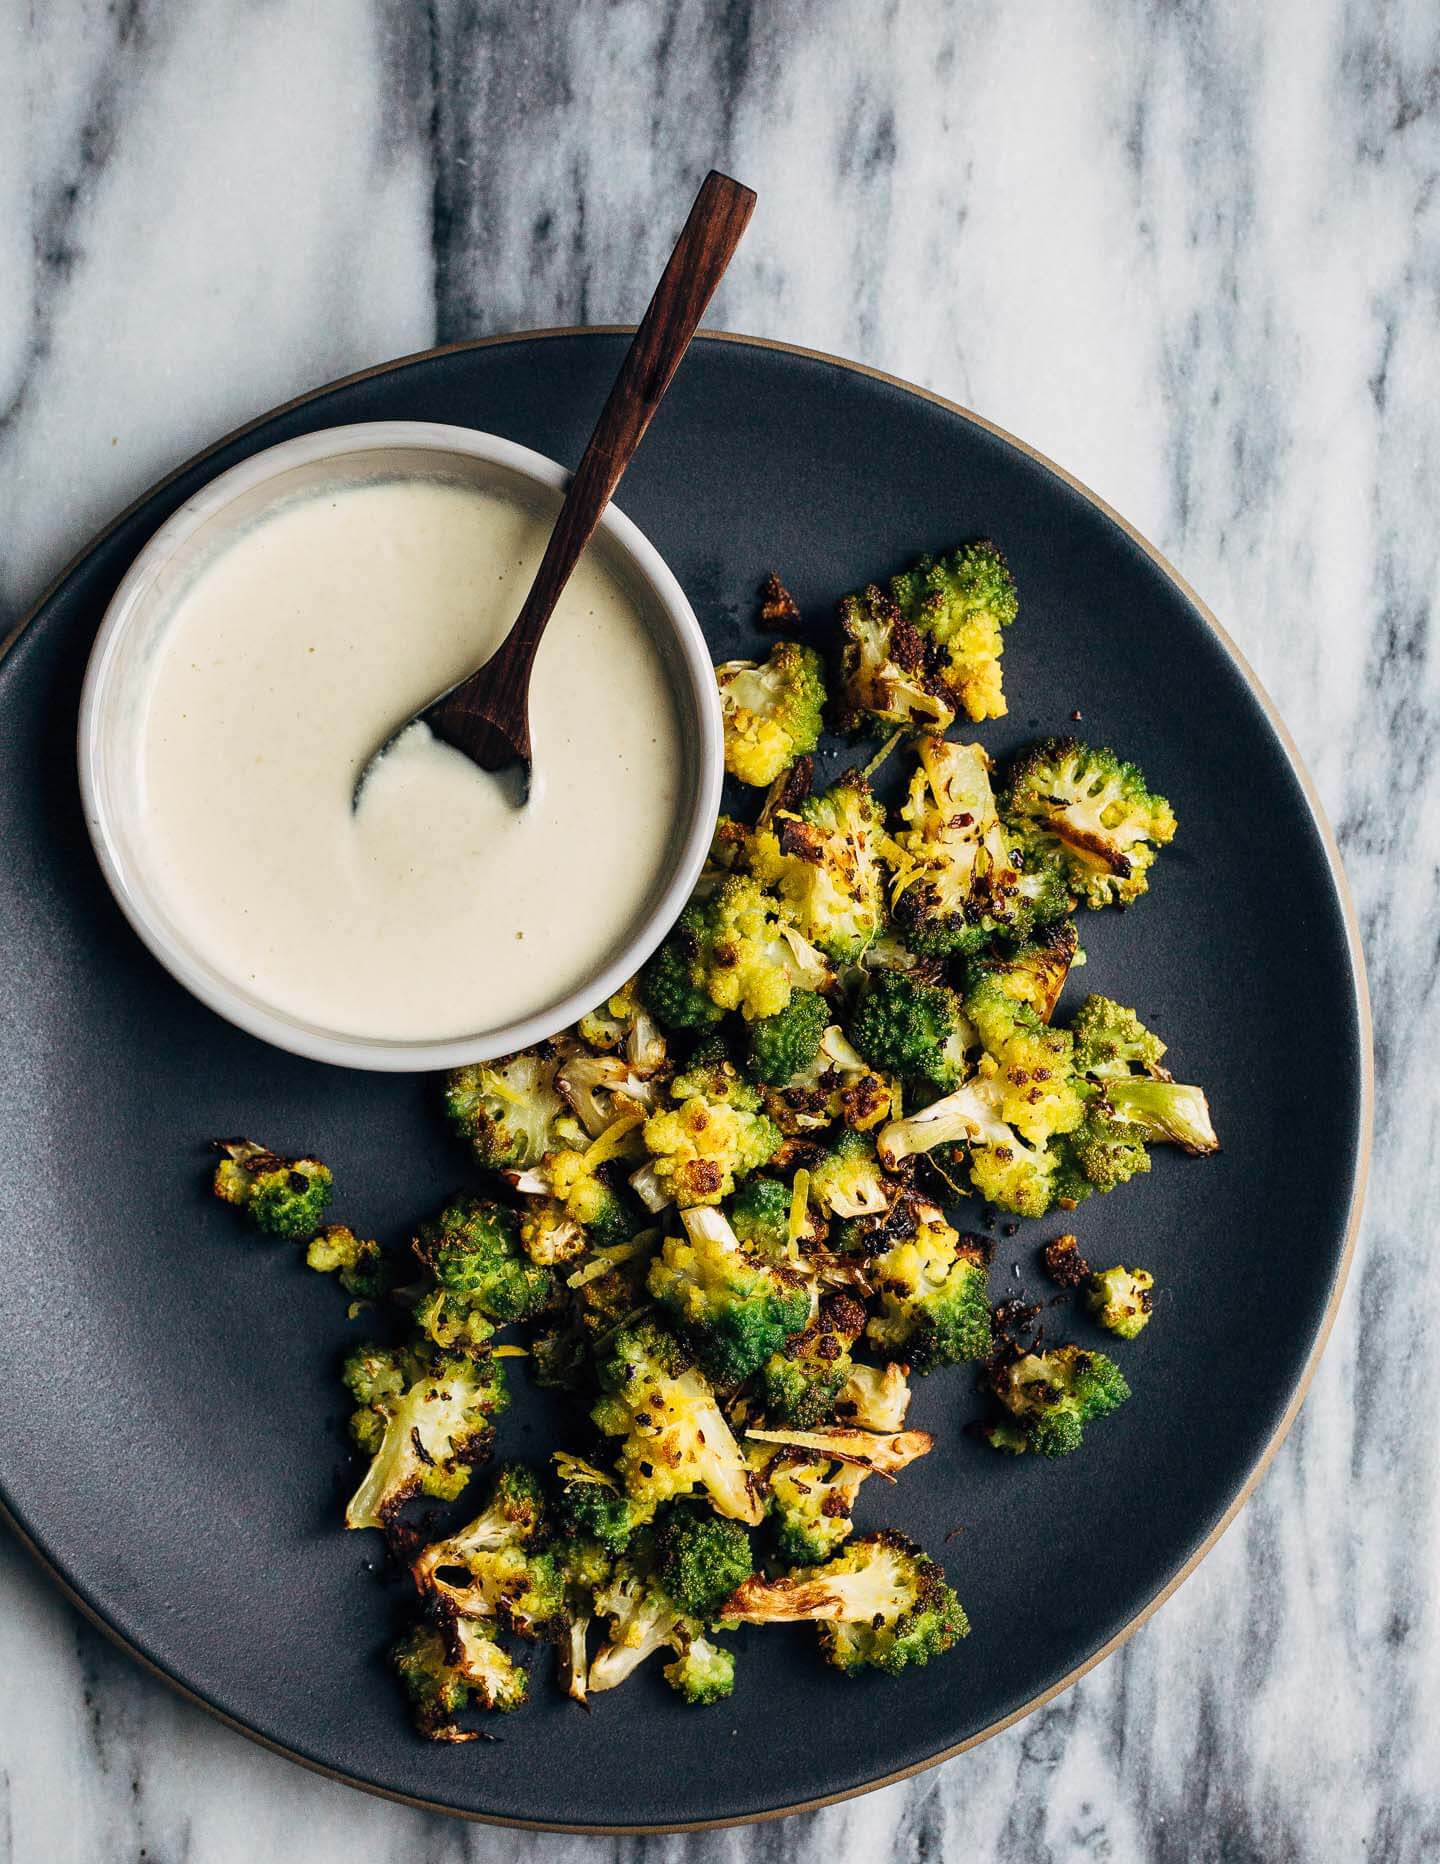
{"x":717,"y":220}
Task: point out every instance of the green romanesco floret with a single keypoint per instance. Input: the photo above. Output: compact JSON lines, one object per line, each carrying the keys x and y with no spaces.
{"x":507,"y":1109}
{"x":772,"y":711}
{"x":1041,"y":1094}
{"x":453,"y":1323}
{"x":424,"y":1419}
{"x":738,"y":949}
{"x":1111,"y":1042}
{"x":735,"y":1307}
{"x":847,"y":1180}
{"x":1120,"y":1299}
{"x":934,"y":1298}
{"x":674,"y":1438}
{"x":282,"y":1197}
{"x":881,"y":1604}
{"x":1101,"y":1154}
{"x":960,"y":604}
{"x":890,"y":678}
{"x":701,"y":1559}
{"x":786,"y":1044}
{"x":811,"y":1478}
{"x":1136,"y":1099}
{"x":495,"y":1567}
{"x":760,"y":1216}
{"x":1033,"y":973}
{"x":958,"y":876}
{"x":590,"y":1505}
{"x":966,"y":1128}
{"x":712,"y":1134}
{"x":704,"y":1671}
{"x":906,"y":1026}
{"x":358,"y":1263}
{"x":801,"y":1382}
{"x":453,"y":1666}
{"x":1097,"y":813}
{"x":473,"y":1250}
{"x":823,"y":859}
{"x":1050,"y":1397}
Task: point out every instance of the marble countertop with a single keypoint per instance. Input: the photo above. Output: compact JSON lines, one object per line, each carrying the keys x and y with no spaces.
{"x":1190,"y":251}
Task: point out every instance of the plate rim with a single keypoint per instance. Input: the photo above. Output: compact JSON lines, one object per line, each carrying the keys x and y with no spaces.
{"x":1364,"y":1134}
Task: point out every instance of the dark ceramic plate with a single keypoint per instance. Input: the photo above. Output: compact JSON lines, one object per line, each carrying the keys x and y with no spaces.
{"x":172,"y":1438}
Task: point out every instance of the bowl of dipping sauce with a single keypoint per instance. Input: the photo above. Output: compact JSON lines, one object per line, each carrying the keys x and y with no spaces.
{"x":274,"y":631}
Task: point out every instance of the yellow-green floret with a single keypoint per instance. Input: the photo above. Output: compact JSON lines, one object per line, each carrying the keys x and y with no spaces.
{"x":772,"y":711}
{"x":282,"y":1197}
{"x":823,"y":859}
{"x":1093,"y":810}
{"x":1050,"y":1397}
{"x":1120,"y":1299}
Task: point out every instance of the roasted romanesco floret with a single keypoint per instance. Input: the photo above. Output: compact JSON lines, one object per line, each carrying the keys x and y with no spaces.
{"x":772,"y":710}
{"x":736,"y":950}
{"x":674,"y":1438}
{"x":881,"y":1604}
{"x":735,"y":1307}
{"x":810,"y":1480}
{"x":1120,"y":1299}
{"x":473,"y":1250}
{"x":934,"y":1298}
{"x":1050,"y":1397}
{"x":282,"y":1197}
{"x":451,"y":1666}
{"x":507,"y":1109}
{"x":801,"y":1382}
{"x":823,"y":859}
{"x":960,"y":604}
{"x":958,"y":876}
{"x":1097,"y":813}
{"x":712,"y":1134}
{"x":424,"y":1419}
{"x":358,"y":1263}
{"x":915,"y":1029}
{"x":786,"y":1044}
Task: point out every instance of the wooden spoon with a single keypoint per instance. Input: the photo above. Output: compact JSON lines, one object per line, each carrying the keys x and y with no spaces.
{"x":487,"y":716}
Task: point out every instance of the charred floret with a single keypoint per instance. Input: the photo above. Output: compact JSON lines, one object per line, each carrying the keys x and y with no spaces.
{"x":674,"y":1438}
{"x":934,"y":1297}
{"x":735,"y":1307}
{"x":811,"y":1478}
{"x":507,"y":1109}
{"x":888,"y":674}
{"x":779,"y":611}
{"x":473,"y":1251}
{"x":1050,"y":1397}
{"x":875,"y":1397}
{"x":424,"y":1419}
{"x":772,"y":711}
{"x":282,"y":1197}
{"x":881,"y":1604}
{"x":802,"y":1382}
{"x":838,"y":1085}
{"x":1121,"y":1299}
{"x":960,"y":604}
{"x":1096,"y":812}
{"x":497,"y":1566}
{"x":1035,"y":973}
{"x":1064,"y":1263}
{"x":738,"y":949}
{"x":823,"y":859}
{"x":958,"y":876}
{"x":451,"y":1666}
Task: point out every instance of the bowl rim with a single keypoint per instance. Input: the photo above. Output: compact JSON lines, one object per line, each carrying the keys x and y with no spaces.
{"x":703,"y":750}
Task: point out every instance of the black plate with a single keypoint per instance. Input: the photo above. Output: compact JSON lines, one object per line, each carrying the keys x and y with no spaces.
{"x":172,"y":1434}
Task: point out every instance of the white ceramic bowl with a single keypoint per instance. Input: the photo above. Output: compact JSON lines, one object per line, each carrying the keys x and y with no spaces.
{"x":112,"y":714}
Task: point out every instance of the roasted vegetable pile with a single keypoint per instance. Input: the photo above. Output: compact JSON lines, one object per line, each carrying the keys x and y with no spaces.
{"x":715,"y":1211}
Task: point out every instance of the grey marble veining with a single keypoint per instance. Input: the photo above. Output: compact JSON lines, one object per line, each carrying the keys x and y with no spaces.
{"x":1190,"y":250}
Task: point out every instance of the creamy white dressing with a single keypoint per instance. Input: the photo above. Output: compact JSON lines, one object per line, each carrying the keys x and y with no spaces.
{"x":434,"y":909}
